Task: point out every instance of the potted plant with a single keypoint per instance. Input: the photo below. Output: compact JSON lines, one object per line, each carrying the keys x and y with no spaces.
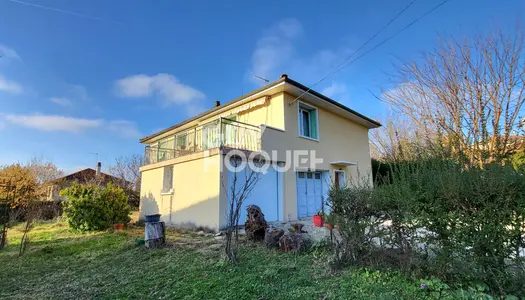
{"x":118,"y":226}
{"x":318,"y":219}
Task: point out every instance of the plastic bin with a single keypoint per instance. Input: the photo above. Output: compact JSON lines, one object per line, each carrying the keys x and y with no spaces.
{"x":152,"y":218}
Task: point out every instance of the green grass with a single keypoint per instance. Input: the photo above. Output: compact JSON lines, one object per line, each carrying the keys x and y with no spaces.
{"x":61,"y":264}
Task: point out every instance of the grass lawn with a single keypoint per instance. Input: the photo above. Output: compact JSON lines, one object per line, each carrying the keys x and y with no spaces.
{"x":61,"y":264}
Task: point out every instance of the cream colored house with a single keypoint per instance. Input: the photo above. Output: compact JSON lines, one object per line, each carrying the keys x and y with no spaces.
{"x":184,"y":177}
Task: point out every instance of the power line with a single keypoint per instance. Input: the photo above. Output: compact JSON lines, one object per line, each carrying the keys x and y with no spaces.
{"x":72,"y":13}
{"x":344,"y":65}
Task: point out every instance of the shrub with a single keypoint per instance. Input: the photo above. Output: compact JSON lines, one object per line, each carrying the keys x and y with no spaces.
{"x":91,"y":208}
{"x":463,"y":225}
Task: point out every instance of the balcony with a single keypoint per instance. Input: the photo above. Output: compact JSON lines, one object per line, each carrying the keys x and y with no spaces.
{"x":216,"y":134}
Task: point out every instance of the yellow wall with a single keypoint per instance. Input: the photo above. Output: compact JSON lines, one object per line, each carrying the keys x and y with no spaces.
{"x":339,"y":140}
{"x":200,"y":198}
{"x":195,"y":197}
{"x":271,"y":113}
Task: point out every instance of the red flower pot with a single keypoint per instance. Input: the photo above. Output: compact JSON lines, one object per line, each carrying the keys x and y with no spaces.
{"x":118,"y":227}
{"x":318,"y":221}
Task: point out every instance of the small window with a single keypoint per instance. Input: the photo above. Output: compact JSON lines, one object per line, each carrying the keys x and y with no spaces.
{"x":167,"y":180}
{"x":301,"y":174}
{"x":317,"y":175}
{"x":308,"y":121}
{"x":309,"y":175}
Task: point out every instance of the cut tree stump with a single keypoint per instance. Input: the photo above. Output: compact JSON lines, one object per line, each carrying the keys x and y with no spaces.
{"x":291,"y":242}
{"x":255,"y":226}
{"x":272,"y":237}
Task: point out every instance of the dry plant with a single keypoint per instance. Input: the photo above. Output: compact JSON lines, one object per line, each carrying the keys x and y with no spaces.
{"x":31,"y":213}
{"x":467,"y":95}
{"x":243,"y":181}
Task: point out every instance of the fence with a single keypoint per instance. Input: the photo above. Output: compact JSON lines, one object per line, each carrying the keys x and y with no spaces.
{"x":219,"y":133}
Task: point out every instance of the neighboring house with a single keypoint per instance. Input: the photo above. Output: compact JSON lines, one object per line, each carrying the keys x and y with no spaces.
{"x":86,"y":176}
{"x":184,"y":176}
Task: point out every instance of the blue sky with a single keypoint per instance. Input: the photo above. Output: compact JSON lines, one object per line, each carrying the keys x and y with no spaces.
{"x":95,"y":81}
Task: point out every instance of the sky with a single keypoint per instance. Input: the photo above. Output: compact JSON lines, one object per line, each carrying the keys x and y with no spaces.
{"x":82,"y":81}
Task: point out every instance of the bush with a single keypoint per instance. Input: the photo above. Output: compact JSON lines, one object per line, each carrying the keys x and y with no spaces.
{"x":91,"y":208}
{"x":463,"y":225}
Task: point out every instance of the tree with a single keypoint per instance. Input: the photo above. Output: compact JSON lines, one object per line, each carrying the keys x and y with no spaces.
{"x":24,"y":182}
{"x":398,"y":140}
{"x":7,"y":192}
{"x":244,"y":180}
{"x":467,"y":95}
{"x":127,"y":169}
{"x":44,"y":171}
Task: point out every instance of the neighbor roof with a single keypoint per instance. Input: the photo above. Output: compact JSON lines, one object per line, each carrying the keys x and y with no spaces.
{"x":87,"y":174}
{"x":283,"y":78}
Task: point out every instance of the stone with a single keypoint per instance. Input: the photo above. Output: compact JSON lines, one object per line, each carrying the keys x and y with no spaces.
{"x":298,"y":228}
{"x":272,"y":237}
{"x":255,"y":226}
{"x":215,"y":247}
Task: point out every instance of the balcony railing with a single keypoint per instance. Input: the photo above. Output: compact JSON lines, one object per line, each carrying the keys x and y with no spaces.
{"x":219,"y":133}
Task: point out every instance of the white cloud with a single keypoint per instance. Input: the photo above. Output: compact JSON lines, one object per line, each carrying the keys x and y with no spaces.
{"x":54,"y":122}
{"x":10,"y":86}
{"x":166,"y":86}
{"x":124,"y":128}
{"x":335,"y":89}
{"x":61,"y":101}
{"x":277,"y":53}
{"x":274,"y":48}
{"x":8,"y":53}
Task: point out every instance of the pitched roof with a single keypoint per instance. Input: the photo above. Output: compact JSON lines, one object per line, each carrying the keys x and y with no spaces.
{"x":283,"y":78}
{"x":87,"y":174}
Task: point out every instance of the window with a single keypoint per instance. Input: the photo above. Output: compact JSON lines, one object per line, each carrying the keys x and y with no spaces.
{"x":301,"y":174}
{"x":308,"y":121}
{"x":167,"y":180}
{"x":317,"y":175}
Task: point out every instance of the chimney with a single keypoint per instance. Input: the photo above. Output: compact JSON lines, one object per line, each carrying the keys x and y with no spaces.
{"x":217,"y":103}
{"x":99,"y":166}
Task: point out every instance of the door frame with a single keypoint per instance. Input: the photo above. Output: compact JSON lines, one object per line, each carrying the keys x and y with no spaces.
{"x":336,"y":179}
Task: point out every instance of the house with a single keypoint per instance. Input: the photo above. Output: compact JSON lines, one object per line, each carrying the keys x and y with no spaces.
{"x":85,"y":176}
{"x":311,"y":140}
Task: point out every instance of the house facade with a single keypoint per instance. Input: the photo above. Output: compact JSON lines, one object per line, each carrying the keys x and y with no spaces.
{"x":310,"y":140}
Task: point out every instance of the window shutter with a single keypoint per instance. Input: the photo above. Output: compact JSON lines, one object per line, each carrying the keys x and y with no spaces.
{"x":313,"y":124}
